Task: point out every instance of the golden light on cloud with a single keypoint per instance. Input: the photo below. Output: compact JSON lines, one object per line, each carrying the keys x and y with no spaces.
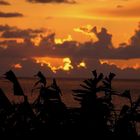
{"x":122,"y":64}
{"x":47,"y":25}
{"x":67,"y":64}
{"x":81,"y":65}
{"x":55,"y":63}
{"x":20,"y":40}
{"x":36,"y":40}
{"x":61,"y":41}
{"x":17,"y":66}
{"x":87,"y":30}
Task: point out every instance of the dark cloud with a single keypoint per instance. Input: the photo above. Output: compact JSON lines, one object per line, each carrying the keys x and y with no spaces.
{"x":14,"y":32}
{"x":34,"y":67}
{"x":131,"y":50}
{"x":52,"y":1}
{"x":2,"y":2}
{"x":102,"y":48}
{"x":120,"y":6}
{"x":76,"y":72}
{"x":49,"y":17}
{"x":105,"y":68}
{"x":10,"y":15}
{"x":121,"y":12}
{"x":6,"y":28}
{"x":104,"y":38}
{"x":16,"y":52}
{"x":20,"y":33}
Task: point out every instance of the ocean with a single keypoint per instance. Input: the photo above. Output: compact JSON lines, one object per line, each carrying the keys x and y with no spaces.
{"x":67,"y":85}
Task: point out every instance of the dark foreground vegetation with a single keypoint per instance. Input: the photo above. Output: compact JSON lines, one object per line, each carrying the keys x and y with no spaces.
{"x":48,"y":116}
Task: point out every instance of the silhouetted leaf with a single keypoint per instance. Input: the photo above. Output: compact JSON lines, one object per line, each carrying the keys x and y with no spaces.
{"x":88,"y":82}
{"x":17,"y":89}
{"x":85,"y":87}
{"x":106,"y":84}
{"x":107,"y":79}
{"x":78,"y":99}
{"x":80,"y":91}
{"x":100,"y":77}
{"x":111,"y":76}
{"x":136,"y":117}
{"x":94,"y":73}
{"x":126,"y":94}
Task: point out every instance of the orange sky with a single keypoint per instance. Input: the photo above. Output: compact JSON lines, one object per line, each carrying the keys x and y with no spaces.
{"x":120,"y":17}
{"x":94,"y":12}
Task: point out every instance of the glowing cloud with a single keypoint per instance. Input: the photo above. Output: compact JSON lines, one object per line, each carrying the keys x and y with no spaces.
{"x":55,"y":63}
{"x":122,"y":64}
{"x":36,"y":40}
{"x":88,"y":31}
{"x":67,"y":64}
{"x":61,"y":41}
{"x":81,"y":65}
{"x":17,"y":66}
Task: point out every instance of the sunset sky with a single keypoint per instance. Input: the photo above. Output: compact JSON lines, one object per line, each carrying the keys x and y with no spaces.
{"x":70,"y":37}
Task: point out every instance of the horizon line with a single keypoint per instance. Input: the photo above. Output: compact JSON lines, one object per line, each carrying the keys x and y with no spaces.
{"x":74,"y":78}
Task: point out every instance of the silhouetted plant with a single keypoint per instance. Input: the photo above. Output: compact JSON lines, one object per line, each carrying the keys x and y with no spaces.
{"x":111,"y":114}
{"x":50,"y":108}
{"x":126,"y":123}
{"x":107,"y":86}
{"x":98,"y":111}
{"x":127,"y":95}
{"x":95,"y":109}
{"x":22,"y":116}
{"x":96,"y":117}
{"x":6,"y":109}
{"x":16,"y":85}
{"x":88,"y":94}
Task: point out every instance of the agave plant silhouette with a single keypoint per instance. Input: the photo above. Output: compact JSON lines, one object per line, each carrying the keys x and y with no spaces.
{"x":90,"y":88}
{"x":111,"y":117}
{"x":107,"y":85}
{"x":97,"y":109}
{"x":126,"y":94}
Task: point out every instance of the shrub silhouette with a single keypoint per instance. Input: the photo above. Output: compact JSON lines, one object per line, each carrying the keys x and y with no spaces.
{"x":98,"y":112}
{"x":49,"y":106}
{"x":48,"y":114}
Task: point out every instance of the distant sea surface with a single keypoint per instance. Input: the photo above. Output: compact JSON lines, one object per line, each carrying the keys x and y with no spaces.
{"x":67,"y":85}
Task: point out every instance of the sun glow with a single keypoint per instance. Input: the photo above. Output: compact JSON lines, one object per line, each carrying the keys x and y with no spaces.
{"x":55,"y":64}
{"x":61,"y":41}
{"x":17,"y":66}
{"x":67,"y":64}
{"x":81,"y":65}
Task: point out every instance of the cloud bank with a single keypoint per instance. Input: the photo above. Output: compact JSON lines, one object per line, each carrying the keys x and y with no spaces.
{"x":10,"y":15}
{"x":52,"y":1}
{"x":5,"y":3}
{"x":22,"y":53}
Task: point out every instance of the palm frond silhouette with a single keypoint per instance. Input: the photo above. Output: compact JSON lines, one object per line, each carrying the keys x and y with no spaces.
{"x":90,"y":87}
